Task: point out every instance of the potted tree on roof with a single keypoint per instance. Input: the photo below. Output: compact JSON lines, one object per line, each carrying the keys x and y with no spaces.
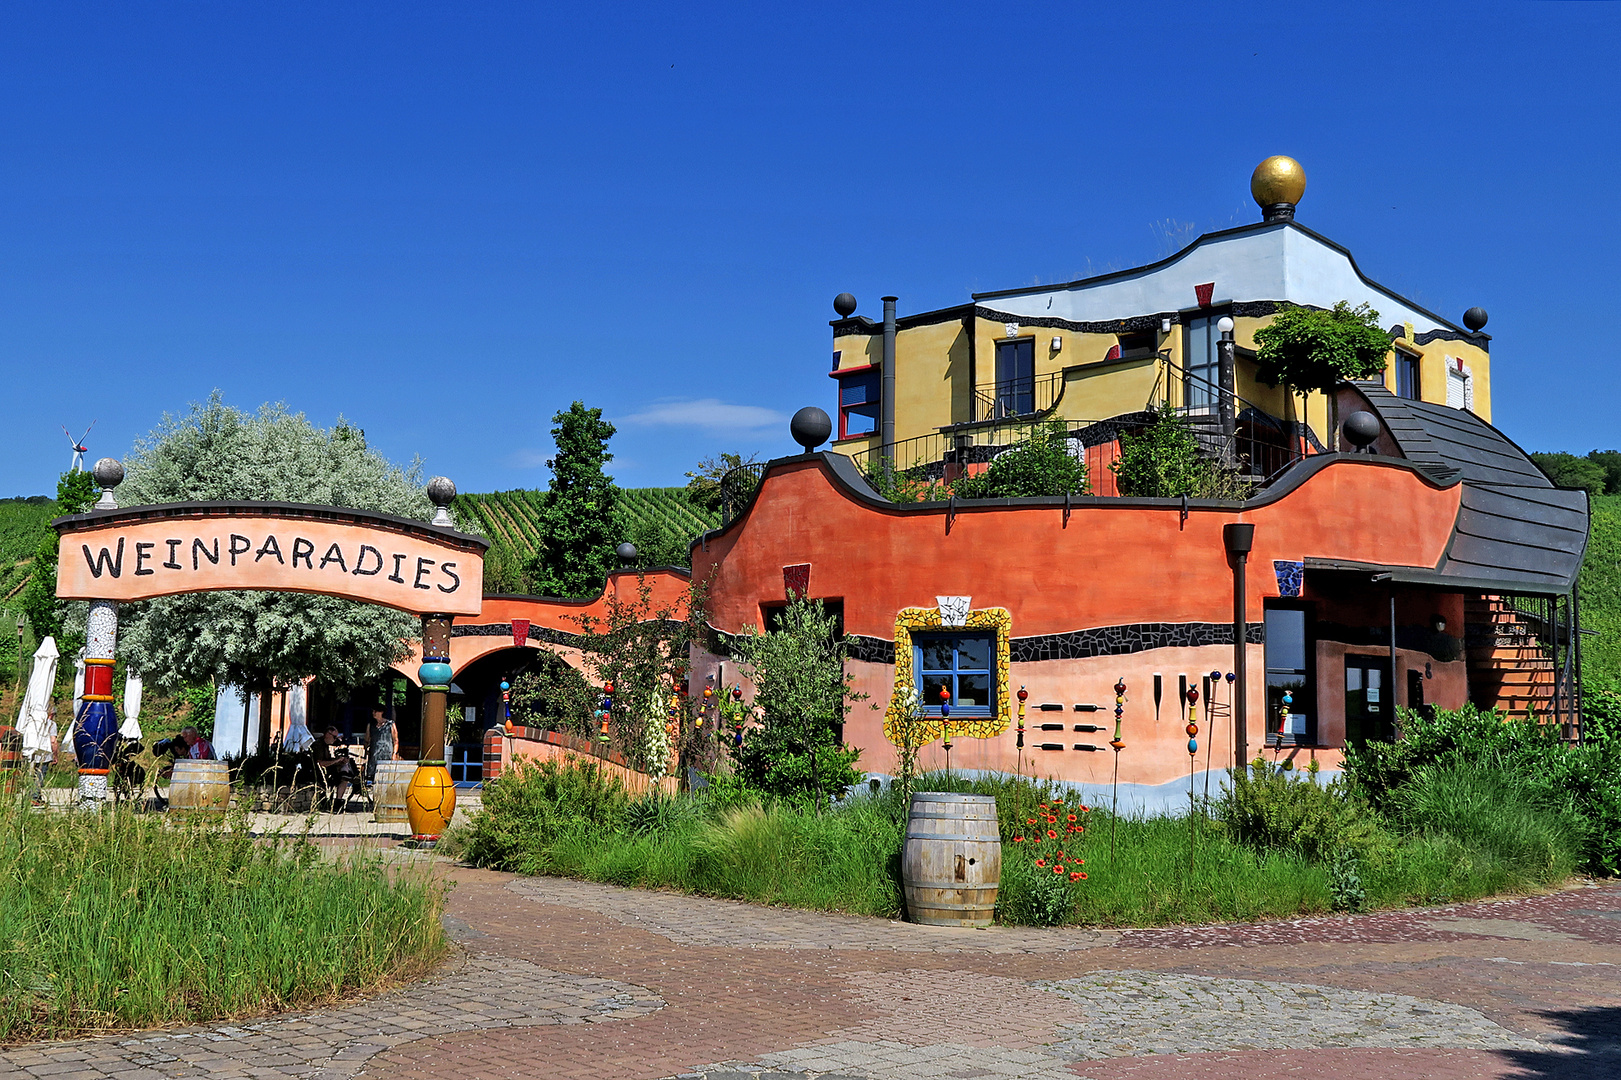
{"x":1306,"y":349}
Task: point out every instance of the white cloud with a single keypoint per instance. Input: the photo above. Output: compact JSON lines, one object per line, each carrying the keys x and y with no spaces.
{"x":526,"y":459}
{"x":711,"y":413}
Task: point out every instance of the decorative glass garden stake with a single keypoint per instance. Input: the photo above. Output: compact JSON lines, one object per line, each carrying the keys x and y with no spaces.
{"x":1193,"y":758}
{"x":945,"y":723}
{"x":607,"y":709}
{"x":506,"y":706}
{"x":1283,"y":722}
{"x":1210,"y":725}
{"x":1119,"y":744}
{"x":1023,"y":696}
{"x":737,"y":699}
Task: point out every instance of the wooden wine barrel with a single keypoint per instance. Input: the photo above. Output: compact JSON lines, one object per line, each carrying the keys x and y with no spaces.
{"x":388,"y":790}
{"x":951,"y":866}
{"x":200,"y":785}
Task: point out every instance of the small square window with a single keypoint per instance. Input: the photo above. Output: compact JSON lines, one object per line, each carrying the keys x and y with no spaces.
{"x":959,"y":663}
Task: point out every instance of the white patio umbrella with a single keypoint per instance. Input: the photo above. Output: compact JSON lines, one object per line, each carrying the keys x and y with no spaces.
{"x":34,"y":720}
{"x":131,"y":728}
{"x":298,"y":730}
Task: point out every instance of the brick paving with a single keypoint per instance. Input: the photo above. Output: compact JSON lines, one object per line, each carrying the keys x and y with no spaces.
{"x":562,"y":979}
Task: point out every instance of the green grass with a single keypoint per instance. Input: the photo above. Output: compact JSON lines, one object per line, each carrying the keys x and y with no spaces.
{"x":1601,"y":595}
{"x":115,"y":920}
{"x":1464,"y":837}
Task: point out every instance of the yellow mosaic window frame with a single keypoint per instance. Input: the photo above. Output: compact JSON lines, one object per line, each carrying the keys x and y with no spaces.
{"x":910,"y":620}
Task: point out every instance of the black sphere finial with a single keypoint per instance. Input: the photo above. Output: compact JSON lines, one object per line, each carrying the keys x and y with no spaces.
{"x":1360,"y":429}
{"x":1475,"y":318}
{"x":845,"y":305}
{"x":626,"y":553}
{"x":810,"y":427}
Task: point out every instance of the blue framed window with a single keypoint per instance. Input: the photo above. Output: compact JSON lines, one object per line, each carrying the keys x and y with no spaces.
{"x":960,"y":662}
{"x":1407,"y":376}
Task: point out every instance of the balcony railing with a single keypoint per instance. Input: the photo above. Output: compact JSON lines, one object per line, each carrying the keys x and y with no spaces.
{"x":1018,"y":397}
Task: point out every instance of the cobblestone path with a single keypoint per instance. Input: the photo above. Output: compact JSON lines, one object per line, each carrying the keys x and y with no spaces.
{"x":564,"y":980}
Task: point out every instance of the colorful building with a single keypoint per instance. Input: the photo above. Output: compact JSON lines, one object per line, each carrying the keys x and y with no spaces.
{"x":973,"y":377}
{"x":1435,"y":568}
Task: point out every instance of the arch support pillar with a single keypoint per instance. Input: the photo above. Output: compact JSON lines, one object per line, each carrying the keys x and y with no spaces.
{"x":95,"y":728}
{"x":431,"y":799}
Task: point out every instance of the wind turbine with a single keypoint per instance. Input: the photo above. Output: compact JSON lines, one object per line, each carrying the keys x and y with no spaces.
{"x":79,"y":448}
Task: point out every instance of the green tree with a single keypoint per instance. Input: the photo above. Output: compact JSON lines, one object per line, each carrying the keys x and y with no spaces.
{"x":800,"y":691}
{"x":1041,"y":465}
{"x":215,"y":452}
{"x":75,"y":493}
{"x":1570,"y":471}
{"x":703,"y":483}
{"x":1308,"y":349}
{"x":579,"y":528}
{"x":1164,"y":461}
{"x":1610,"y":462}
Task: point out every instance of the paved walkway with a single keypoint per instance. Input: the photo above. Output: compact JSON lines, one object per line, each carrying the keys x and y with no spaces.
{"x":561,"y":979}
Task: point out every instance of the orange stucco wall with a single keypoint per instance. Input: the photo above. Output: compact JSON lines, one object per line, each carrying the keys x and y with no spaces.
{"x":1113,"y":563}
{"x":667,"y":589}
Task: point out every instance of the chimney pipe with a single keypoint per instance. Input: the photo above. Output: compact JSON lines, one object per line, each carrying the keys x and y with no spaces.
{"x":887,"y":430}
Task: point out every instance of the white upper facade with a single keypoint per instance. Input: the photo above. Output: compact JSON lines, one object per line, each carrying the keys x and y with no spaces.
{"x":1276,"y":261}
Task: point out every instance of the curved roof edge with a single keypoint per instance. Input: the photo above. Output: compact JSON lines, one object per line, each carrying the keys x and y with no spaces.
{"x":1222,"y":234}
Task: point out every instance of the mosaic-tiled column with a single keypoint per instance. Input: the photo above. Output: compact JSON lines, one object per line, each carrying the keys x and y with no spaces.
{"x":431,"y":798}
{"x":95,"y":729}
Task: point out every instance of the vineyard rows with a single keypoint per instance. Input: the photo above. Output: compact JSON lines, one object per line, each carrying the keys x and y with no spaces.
{"x":512,"y":518}
{"x":22,"y":526}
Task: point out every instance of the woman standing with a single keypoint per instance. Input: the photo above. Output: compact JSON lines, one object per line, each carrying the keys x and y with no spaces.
{"x":379,"y":741}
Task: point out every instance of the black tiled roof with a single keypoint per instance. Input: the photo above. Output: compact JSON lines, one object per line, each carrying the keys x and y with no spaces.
{"x":1515,"y":530}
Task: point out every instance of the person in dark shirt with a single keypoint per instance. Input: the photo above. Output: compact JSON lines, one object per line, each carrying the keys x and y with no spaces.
{"x":333,"y":758}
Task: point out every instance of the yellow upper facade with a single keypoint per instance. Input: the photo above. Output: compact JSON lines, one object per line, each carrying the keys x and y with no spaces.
{"x":1113,"y":345}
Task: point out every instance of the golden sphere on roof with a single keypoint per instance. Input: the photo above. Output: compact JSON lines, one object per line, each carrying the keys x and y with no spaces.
{"x":1276,"y":180}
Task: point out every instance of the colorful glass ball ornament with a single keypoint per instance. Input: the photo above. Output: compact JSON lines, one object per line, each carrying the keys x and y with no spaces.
{"x":737,"y":693}
{"x":1024,"y":695}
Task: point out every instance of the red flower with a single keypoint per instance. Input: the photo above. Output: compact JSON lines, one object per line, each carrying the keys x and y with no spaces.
{"x":1086,"y":809}
{"x":1030,"y":821}
{"x":1041,"y":862}
{"x":1051,"y":820}
{"x":1076,"y":876}
{"x":1058,"y":869}
{"x":1041,"y":806}
{"x":1083,"y":875}
{"x":1072,"y":817}
{"x":1051,"y":835}
{"x":1018,"y":839}
{"x":1058,"y":802}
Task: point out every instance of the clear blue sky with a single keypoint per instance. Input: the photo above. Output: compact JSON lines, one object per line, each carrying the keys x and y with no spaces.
{"x":447,"y":221}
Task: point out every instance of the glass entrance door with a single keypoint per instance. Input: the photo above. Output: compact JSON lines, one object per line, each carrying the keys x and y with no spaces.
{"x":1369,"y":710}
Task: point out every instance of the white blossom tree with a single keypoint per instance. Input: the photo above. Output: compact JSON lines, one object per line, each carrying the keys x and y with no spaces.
{"x":252,"y":639}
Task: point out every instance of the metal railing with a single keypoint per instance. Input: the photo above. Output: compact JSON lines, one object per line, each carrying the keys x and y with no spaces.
{"x":737,"y":488}
{"x":1259,"y":444}
{"x":1029,"y":396}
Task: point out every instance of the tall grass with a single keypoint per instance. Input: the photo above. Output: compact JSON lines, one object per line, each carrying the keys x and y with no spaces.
{"x":118,"y":920}
{"x":1462,"y":834}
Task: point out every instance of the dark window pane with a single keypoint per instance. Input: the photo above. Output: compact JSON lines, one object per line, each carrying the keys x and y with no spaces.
{"x":1285,"y":639}
{"x":931,"y":689}
{"x":974,"y":654}
{"x":936,"y":654}
{"x":974,"y":690}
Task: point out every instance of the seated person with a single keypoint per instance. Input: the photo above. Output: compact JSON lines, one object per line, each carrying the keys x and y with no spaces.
{"x":197,"y":747}
{"x":338,"y":766}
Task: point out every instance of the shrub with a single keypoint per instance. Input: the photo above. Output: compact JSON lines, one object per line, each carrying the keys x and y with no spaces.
{"x":530,"y":806}
{"x":801,"y":689}
{"x":1041,"y":465}
{"x":1272,"y":806}
{"x":1164,"y":461}
{"x":1345,"y":882}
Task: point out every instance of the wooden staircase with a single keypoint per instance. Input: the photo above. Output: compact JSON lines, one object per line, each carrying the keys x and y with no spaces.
{"x":1511,"y":669}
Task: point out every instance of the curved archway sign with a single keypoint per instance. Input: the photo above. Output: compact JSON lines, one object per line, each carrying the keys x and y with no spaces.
{"x":112,"y":555}
{"x":148,"y":551}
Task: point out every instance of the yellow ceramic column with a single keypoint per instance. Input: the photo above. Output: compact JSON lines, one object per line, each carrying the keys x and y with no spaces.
{"x":431,"y":799}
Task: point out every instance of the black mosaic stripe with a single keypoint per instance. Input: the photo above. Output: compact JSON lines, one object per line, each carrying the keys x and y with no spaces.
{"x":1073,"y":645}
{"x":544,"y":634}
{"x":1127,"y":638}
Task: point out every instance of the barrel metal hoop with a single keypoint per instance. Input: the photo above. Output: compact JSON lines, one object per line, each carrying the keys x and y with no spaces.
{"x":952,"y":836}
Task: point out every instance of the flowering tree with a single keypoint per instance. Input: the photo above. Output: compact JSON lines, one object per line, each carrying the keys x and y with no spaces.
{"x":252,"y":639}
